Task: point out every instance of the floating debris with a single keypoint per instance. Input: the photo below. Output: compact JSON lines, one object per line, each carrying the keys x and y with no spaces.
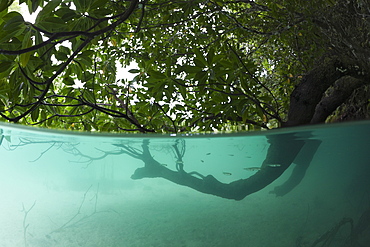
{"x":227,"y":173}
{"x":252,"y":169}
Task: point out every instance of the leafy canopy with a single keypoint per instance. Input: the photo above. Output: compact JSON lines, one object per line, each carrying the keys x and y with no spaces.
{"x":201,"y":65}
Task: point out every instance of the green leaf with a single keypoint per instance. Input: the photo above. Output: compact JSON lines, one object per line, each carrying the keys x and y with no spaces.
{"x":156,"y":74}
{"x":35,"y":114}
{"x":4,"y":66}
{"x":199,"y":63}
{"x":201,"y":77}
{"x":100,"y":13}
{"x":190,"y":69}
{"x":61,"y":56}
{"x":210,"y":56}
{"x":66,"y":14}
{"x":5,"y":36}
{"x":68,"y":81}
{"x":13,"y":21}
{"x":245,"y":114}
{"x":134,"y":71}
{"x":200,"y":57}
{"x":47,"y":10}
{"x":89,"y":96}
{"x":183,"y":91}
{"x":98,"y":4}
{"x":259,"y":111}
{"x":25,"y":57}
{"x":38,"y":39}
{"x":82,"y":5}
{"x":33,"y":5}
{"x":82,"y":24}
{"x":5,"y":4}
{"x":53,"y":24}
{"x":65,"y":50}
{"x":241,"y":105}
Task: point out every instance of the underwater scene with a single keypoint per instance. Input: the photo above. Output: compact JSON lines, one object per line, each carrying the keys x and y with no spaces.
{"x":296,"y":187}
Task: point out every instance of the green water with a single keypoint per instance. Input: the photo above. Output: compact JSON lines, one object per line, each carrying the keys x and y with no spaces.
{"x":62,"y":189}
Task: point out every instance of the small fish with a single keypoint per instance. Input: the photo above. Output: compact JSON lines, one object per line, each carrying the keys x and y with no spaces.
{"x":227,"y":173}
{"x":252,"y":169}
{"x":202,"y":161}
{"x":274,"y":165}
{"x":208,"y":153}
{"x":231,"y":155}
{"x":163,"y":164}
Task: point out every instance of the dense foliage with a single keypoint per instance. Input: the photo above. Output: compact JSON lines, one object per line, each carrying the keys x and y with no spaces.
{"x":201,"y":65}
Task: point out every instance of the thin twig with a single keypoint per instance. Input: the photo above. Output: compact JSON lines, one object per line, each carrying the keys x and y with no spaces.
{"x":76,"y":214}
{"x":25,"y":226}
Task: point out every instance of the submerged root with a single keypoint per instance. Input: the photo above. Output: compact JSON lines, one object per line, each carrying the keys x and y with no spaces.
{"x":327,"y":238}
{"x":352,"y":240}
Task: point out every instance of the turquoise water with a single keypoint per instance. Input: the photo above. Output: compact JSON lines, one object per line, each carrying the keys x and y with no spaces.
{"x":63,"y":189}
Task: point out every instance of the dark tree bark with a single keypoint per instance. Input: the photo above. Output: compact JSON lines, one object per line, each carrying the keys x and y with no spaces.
{"x":322,"y":90}
{"x":306,"y":96}
{"x":341,"y":91}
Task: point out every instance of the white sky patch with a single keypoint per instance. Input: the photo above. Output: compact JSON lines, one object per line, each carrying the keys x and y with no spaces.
{"x":122,"y":72}
{"x":78,"y":84}
{"x":26,"y":14}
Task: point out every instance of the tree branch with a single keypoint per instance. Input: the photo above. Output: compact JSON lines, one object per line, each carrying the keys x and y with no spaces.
{"x":273,"y":166}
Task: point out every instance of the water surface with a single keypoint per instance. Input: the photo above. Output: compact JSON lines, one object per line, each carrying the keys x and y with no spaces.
{"x":71,"y":189}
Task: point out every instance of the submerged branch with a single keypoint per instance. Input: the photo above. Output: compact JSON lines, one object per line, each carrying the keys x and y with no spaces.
{"x":273,"y":166}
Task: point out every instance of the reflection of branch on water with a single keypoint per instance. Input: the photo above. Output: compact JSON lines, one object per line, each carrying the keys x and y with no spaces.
{"x":88,"y":159}
{"x":26,"y":142}
{"x":179,"y":155}
{"x":52,"y":144}
{"x":43,"y":152}
{"x":236,"y":190}
{"x":282,"y":150}
{"x":178,"y":149}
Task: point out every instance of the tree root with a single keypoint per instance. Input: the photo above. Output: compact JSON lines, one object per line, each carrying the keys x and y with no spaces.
{"x":327,"y":238}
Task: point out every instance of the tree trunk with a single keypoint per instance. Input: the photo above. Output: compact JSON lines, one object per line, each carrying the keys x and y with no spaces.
{"x":341,"y":91}
{"x":306,"y":96}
